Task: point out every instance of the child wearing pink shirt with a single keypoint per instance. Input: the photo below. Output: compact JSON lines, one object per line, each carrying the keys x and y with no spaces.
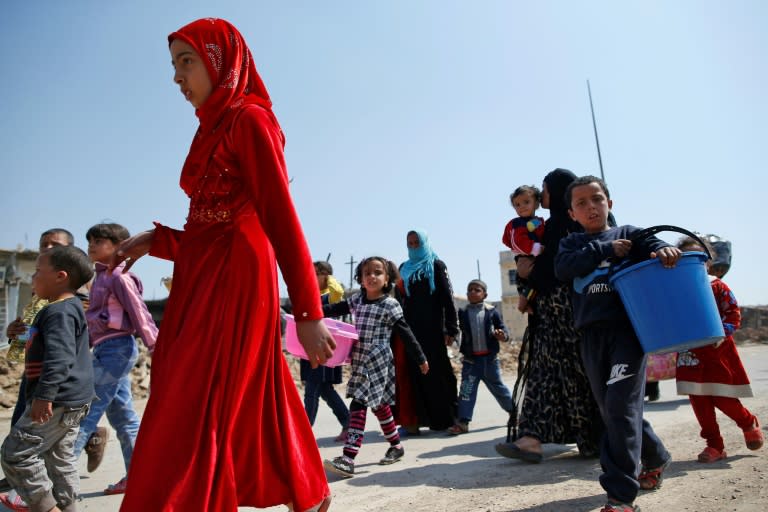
{"x":116,"y":312}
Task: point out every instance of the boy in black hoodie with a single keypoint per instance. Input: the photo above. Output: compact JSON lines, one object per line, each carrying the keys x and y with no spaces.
{"x":38,"y":455}
{"x":612,"y":355}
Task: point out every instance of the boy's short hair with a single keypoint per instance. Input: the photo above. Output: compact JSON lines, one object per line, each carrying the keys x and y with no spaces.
{"x":74,"y":262}
{"x":111,"y":231}
{"x":389,"y":267}
{"x":324,"y":267}
{"x":686,"y":243}
{"x":584,"y":180}
{"x":526,"y":189}
{"x":478,"y":282}
{"x":61,"y":231}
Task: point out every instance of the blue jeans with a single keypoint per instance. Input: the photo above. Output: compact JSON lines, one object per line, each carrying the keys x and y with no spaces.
{"x":112,"y":363}
{"x":476,"y":369}
{"x":314,"y":390}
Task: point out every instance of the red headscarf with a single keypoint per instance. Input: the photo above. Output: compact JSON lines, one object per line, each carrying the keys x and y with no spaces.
{"x":235,"y":83}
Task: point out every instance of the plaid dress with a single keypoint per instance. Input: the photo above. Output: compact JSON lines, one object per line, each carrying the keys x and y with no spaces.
{"x":372,"y":382}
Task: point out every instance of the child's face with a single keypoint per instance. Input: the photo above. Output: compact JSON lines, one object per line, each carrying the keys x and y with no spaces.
{"x":690,"y":247}
{"x":590,"y":207}
{"x":191,"y":74}
{"x":52,"y":240}
{"x":101,"y":250}
{"x":475,"y":294}
{"x":322,"y":279}
{"x":47,"y":282}
{"x":525,"y":205}
{"x":374,"y":276}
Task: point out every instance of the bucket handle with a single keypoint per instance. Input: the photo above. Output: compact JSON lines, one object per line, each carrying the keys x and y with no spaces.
{"x":648,"y":232}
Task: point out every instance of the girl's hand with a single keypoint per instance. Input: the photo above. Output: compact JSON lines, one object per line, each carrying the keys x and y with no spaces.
{"x":500,"y":335}
{"x":132,"y":249}
{"x":424,"y":367}
{"x":621,"y":247}
{"x":316,"y":340}
{"x":41,"y":411}
{"x":525,"y":266}
{"x":668,"y":256}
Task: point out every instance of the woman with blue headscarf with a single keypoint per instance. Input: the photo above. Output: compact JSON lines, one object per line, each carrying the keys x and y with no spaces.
{"x":427,"y":297}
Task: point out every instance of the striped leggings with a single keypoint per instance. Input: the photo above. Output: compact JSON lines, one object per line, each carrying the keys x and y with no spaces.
{"x":356,"y":430}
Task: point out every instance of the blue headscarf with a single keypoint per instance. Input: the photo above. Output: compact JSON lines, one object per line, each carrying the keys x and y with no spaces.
{"x":421,"y":263}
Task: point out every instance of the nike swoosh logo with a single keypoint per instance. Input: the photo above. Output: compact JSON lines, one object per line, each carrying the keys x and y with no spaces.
{"x":620,"y":377}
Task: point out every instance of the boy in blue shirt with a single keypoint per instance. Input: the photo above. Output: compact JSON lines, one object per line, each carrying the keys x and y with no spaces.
{"x":612,"y":355}
{"x":481,"y":331}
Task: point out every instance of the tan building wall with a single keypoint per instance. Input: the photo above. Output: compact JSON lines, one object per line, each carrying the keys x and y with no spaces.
{"x":516,"y":321}
{"x":16,"y":269}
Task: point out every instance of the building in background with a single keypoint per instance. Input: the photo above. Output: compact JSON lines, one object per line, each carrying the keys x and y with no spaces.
{"x":516,"y":321}
{"x":16,"y":269}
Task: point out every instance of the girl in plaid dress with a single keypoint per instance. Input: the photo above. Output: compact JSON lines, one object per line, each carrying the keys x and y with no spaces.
{"x":372,"y":383}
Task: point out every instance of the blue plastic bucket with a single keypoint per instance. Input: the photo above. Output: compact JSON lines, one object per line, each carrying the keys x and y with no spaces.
{"x":671,"y":309}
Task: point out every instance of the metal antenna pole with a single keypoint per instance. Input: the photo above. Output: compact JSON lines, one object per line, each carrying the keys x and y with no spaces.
{"x":351,"y":264}
{"x":594,"y":126}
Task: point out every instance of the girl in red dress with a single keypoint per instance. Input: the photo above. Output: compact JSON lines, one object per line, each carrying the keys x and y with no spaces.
{"x":713,"y":377}
{"x":225,"y":426}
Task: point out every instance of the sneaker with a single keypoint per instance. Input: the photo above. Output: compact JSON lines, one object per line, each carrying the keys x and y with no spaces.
{"x":393,"y":455}
{"x":13,"y":501}
{"x":118,"y":488}
{"x":616,"y":506}
{"x":341,"y":466}
{"x":711,"y":455}
{"x":408,"y":431}
{"x":94,"y":448}
{"x":458,"y":429}
{"x":754,"y":437}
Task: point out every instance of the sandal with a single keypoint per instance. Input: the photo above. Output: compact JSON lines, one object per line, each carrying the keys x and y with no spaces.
{"x":458,"y":428}
{"x":754,"y":437}
{"x":118,"y":488}
{"x":616,"y":506}
{"x":650,"y":479}
{"x":711,"y":455}
{"x":512,"y":451}
{"x":342,"y":437}
{"x":13,"y":501}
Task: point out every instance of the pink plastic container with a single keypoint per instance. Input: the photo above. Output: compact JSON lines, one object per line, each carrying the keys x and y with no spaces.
{"x":343,"y":333}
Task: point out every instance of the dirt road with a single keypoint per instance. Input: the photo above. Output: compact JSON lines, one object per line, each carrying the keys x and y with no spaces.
{"x":464,"y":473}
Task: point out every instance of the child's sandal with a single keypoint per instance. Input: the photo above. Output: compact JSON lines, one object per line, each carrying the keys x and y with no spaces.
{"x":753,"y":437}
{"x":650,"y":479}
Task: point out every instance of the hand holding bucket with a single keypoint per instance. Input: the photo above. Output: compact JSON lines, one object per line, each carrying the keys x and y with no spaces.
{"x":671,"y":309}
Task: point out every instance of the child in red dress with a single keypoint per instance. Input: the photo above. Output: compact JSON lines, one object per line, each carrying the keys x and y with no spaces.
{"x":224,"y":426}
{"x":713,"y":377}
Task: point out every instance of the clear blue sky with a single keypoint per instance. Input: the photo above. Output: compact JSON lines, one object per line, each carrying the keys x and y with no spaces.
{"x":401,"y":114}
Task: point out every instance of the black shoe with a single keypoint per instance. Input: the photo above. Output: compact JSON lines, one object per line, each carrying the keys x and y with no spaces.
{"x":393,"y":455}
{"x":340,"y":466}
{"x":652,"y":391}
{"x":4,"y":485}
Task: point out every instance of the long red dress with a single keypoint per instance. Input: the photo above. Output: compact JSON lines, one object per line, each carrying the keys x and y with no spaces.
{"x":225,"y":426}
